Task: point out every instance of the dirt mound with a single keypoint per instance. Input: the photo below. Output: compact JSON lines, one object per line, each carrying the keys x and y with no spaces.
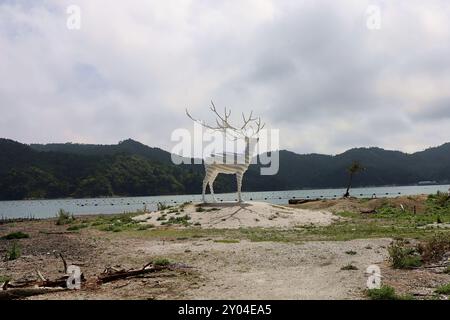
{"x":234,"y":215}
{"x":366,"y":205}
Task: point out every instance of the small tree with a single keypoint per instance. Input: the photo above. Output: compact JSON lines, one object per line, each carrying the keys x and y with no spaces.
{"x":354,"y":168}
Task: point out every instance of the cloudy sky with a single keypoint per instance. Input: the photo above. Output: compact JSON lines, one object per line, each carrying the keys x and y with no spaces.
{"x":312,"y":69}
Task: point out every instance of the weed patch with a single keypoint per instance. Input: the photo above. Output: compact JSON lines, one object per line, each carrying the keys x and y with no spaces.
{"x":16,"y":235}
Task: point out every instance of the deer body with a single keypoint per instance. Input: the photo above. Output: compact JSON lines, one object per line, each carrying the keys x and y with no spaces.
{"x":212,"y":170}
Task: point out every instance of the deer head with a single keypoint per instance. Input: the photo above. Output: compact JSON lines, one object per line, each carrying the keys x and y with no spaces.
{"x":249,"y":128}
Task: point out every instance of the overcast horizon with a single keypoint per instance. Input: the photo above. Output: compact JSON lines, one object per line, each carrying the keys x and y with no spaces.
{"x":312,"y":69}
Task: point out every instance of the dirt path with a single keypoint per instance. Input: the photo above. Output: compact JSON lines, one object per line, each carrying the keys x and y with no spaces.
{"x":267,"y":270}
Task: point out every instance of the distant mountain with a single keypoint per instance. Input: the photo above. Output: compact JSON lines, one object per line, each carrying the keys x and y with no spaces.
{"x":130,"y":168}
{"x":128,"y":146}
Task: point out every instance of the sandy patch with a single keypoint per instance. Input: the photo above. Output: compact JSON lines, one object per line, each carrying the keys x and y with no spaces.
{"x":240,"y":215}
{"x":268,"y":270}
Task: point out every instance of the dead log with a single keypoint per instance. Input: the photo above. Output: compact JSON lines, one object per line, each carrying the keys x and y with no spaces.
{"x":19,"y":293}
{"x":113,"y":276}
{"x":29,"y":288}
{"x":301,"y":201}
{"x":60,"y":282}
{"x":367,"y":211}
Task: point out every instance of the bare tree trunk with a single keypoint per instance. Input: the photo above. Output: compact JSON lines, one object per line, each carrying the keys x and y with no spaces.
{"x":347,"y":193}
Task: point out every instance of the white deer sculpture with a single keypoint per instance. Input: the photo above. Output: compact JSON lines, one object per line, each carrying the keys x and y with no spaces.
{"x":213,"y":169}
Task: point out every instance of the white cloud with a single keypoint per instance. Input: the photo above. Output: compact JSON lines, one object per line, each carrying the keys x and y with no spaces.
{"x":310,"y":68}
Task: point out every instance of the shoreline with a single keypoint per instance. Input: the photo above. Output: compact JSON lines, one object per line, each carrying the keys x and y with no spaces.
{"x":229,"y":193}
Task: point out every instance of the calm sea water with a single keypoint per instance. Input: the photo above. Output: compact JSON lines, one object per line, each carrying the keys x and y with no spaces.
{"x":49,"y":208}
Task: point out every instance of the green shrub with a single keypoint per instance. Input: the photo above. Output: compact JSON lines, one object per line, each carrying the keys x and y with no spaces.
{"x":144,"y":227}
{"x":161,"y":206}
{"x":3,"y":279}
{"x":351,"y":252}
{"x":14,"y":252}
{"x":15,"y":235}
{"x":161,"y":262}
{"x":63,"y":217}
{"x":184,"y":220}
{"x":442,"y":199}
{"x":77,"y":227}
{"x":402,"y":256}
{"x":200,"y":209}
{"x":434,"y":249}
{"x":386,"y":293}
{"x":445,"y":289}
{"x":161,"y":218}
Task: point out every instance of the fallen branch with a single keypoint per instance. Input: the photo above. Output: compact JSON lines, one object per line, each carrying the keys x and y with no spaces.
{"x":431,"y":266}
{"x":60,"y":282}
{"x":27,"y":292}
{"x":40,"y":275}
{"x":64,"y":261}
{"x":124,"y":274}
{"x":43,"y":286}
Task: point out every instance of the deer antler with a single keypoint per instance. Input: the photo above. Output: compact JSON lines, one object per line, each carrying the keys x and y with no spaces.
{"x":222,"y":122}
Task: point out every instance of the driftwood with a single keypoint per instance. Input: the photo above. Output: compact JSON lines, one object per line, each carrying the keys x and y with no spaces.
{"x":301,"y":201}
{"x":112,"y":275}
{"x":23,"y":289}
{"x":60,"y":282}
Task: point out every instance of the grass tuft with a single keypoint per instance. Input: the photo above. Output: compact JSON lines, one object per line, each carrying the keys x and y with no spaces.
{"x":402,"y":256}
{"x":63,"y":217}
{"x":386,"y":293}
{"x":445,"y":289}
{"x":13,"y":253}
{"x":77,"y":227}
{"x":161,"y":262}
{"x":16,"y":235}
{"x":227,"y":241}
{"x":349,"y":267}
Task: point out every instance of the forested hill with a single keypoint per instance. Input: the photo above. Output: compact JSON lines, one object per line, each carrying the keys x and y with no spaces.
{"x":133,"y":169}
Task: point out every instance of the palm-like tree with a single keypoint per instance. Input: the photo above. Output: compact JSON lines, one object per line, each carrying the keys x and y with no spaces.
{"x":354,"y":168}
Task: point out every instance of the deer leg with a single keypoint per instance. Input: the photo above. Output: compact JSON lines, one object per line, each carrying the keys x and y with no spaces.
{"x":211,"y":188}
{"x":205,"y":183}
{"x":239,"y":185}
